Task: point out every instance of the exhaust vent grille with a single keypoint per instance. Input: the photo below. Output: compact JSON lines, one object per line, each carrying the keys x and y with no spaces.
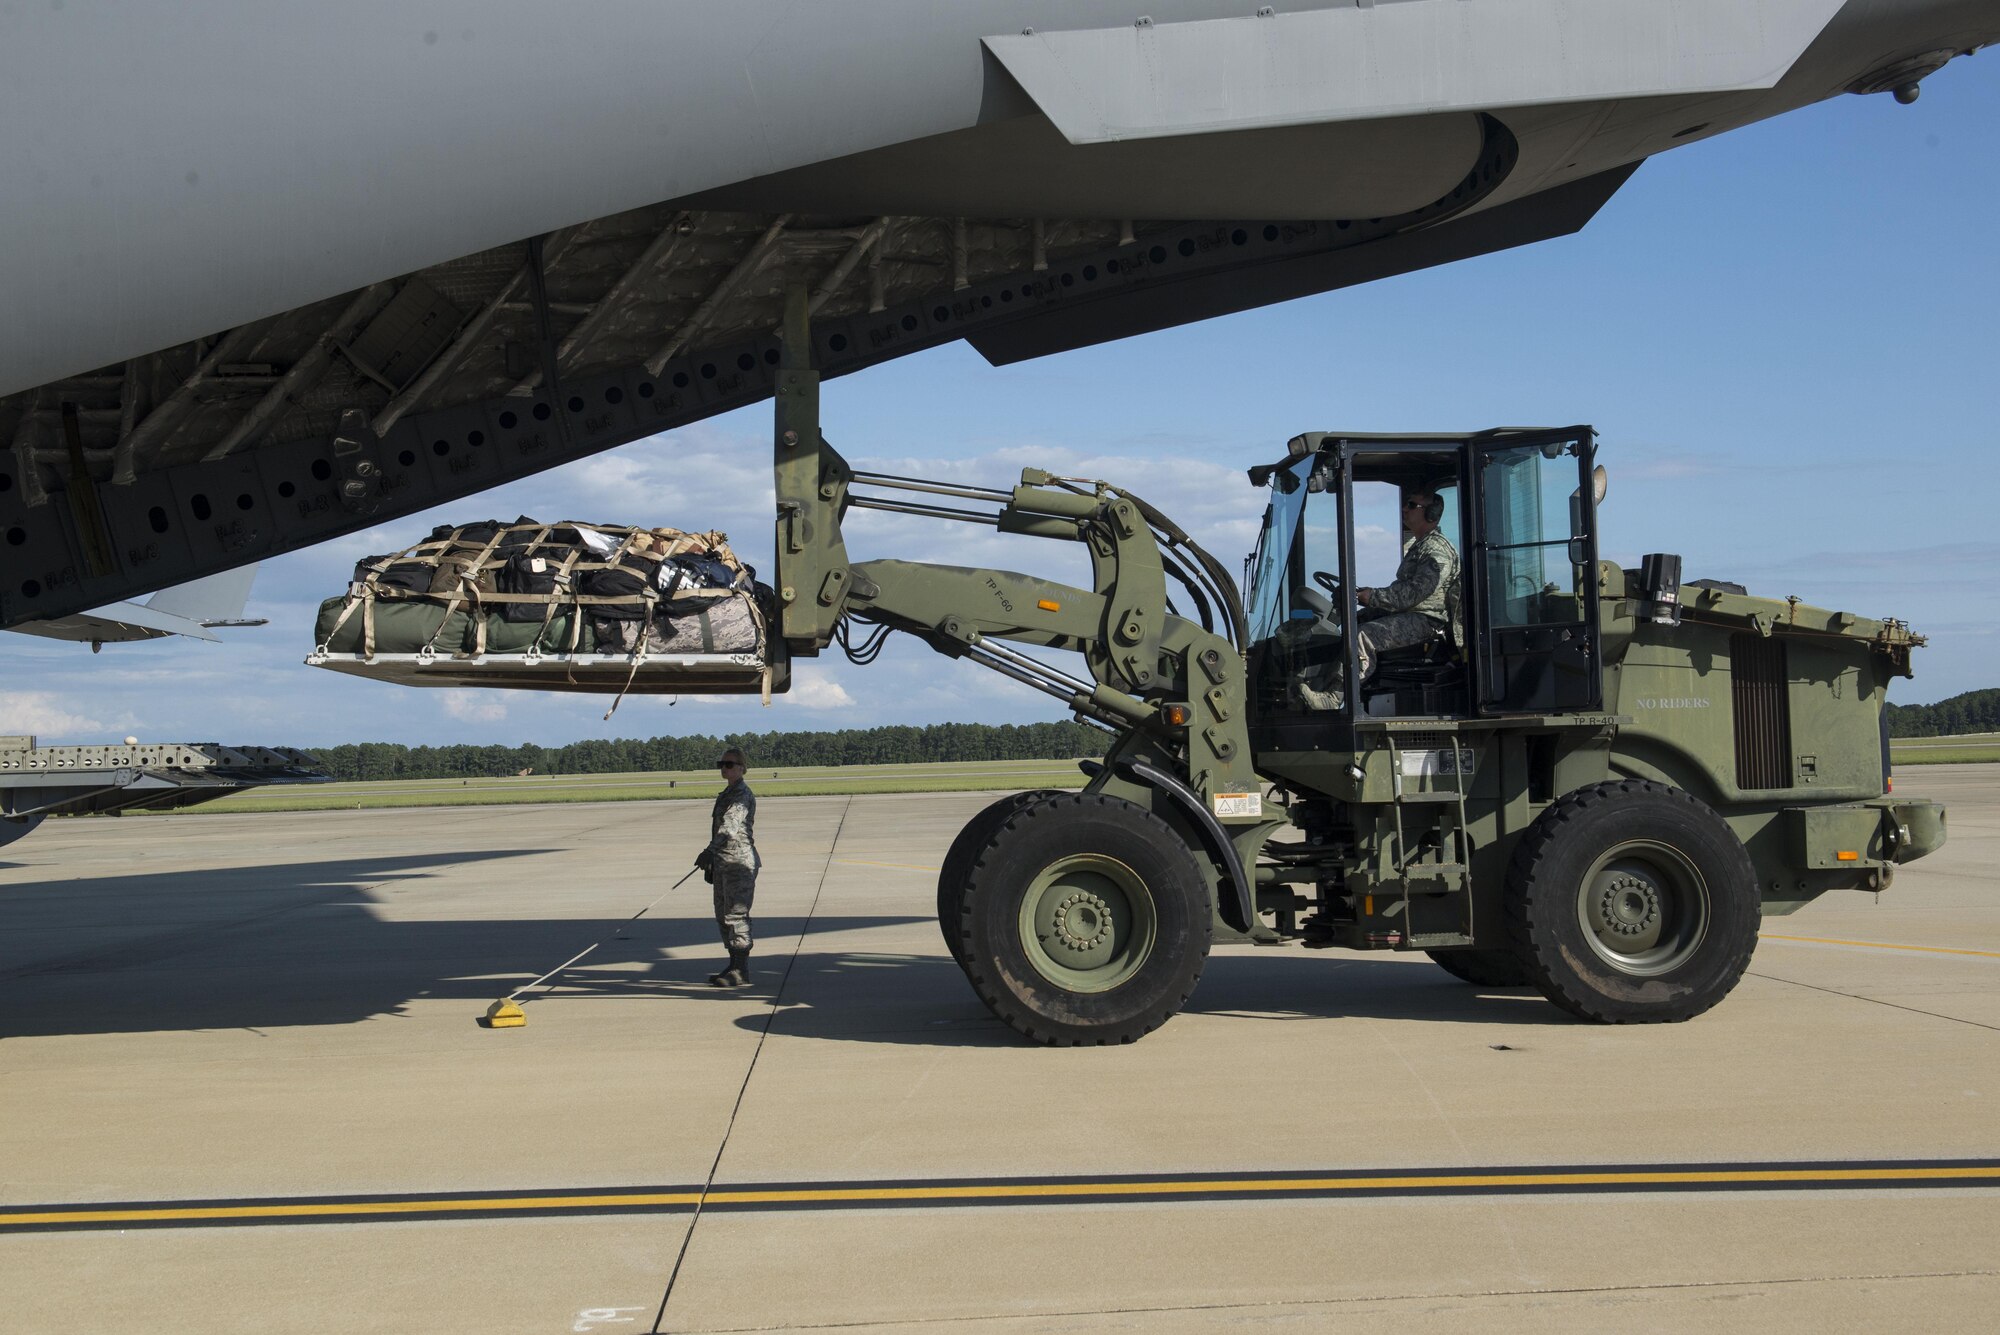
{"x":1763,"y":712}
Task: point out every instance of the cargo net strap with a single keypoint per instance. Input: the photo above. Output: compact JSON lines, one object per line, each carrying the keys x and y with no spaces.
{"x":630,"y":573}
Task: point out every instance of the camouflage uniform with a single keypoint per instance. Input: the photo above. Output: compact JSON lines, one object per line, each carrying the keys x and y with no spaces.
{"x":1318,"y":685}
{"x":1422,"y":605}
{"x":732,"y":843}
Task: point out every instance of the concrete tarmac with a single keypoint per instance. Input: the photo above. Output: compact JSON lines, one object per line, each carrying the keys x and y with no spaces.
{"x":248,"y":1043}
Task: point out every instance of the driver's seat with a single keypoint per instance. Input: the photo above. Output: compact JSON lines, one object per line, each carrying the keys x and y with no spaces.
{"x":1426,"y":678}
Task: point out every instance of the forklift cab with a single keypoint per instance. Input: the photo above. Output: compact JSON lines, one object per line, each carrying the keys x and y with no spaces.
{"x":1518,"y":508}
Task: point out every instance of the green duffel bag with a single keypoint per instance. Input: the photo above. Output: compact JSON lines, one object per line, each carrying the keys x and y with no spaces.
{"x":517,"y":637}
{"x":402,"y":626}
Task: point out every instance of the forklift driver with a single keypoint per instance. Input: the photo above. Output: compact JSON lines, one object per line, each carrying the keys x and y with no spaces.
{"x":1419,"y":608}
{"x":1422,"y":605}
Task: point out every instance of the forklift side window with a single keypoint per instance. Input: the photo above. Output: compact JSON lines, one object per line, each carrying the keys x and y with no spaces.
{"x":1378,"y":532}
{"x":1533,"y":509}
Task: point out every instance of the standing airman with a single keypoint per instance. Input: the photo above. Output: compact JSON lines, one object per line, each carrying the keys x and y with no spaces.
{"x":730,"y":862}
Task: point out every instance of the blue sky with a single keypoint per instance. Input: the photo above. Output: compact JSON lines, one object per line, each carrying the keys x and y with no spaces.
{"x":1785,"y":336}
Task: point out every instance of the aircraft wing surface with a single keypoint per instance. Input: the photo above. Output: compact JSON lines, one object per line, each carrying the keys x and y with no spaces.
{"x":1360,"y":63}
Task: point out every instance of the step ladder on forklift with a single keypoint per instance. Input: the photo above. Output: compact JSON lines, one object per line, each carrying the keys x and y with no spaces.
{"x":1452,"y":874}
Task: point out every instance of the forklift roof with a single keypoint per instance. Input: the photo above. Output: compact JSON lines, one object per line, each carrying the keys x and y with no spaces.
{"x":1335,"y":442}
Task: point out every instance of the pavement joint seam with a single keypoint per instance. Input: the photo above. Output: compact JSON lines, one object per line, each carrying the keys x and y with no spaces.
{"x":1689,"y":1286}
{"x":770,"y":1017}
{"x":1892,"y":1005}
{"x":1877,"y":945}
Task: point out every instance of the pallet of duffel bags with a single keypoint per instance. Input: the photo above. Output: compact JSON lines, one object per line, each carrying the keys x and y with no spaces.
{"x":565,"y":607}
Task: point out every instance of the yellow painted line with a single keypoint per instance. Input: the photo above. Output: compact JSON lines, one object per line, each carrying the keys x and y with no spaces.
{"x":1032,"y":1190}
{"x":1880,"y":945}
{"x":899,"y":866}
{"x":321,"y":1209}
{"x":1009,"y":1191}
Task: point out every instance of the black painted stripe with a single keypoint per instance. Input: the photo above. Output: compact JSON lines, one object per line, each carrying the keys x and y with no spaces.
{"x":545,"y":1202}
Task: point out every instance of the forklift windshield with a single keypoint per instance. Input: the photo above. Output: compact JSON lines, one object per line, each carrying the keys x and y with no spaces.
{"x":1270,"y":602}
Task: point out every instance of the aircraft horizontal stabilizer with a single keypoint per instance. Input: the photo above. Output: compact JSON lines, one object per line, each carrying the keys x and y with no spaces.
{"x":116,"y":623}
{"x":214,"y":601}
{"x":193,"y":609}
{"x":1419,"y":57}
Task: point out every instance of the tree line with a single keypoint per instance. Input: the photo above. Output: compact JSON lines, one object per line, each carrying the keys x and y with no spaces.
{"x":850,"y":746}
{"x":1974,"y":711}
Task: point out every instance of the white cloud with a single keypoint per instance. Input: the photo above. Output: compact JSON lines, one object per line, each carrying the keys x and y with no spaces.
{"x":44,"y":714}
{"x":474,"y":706}
{"x":816,"y":691}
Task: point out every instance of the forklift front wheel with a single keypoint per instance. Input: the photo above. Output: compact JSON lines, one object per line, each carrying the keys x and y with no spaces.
{"x":1632,"y":903}
{"x":1087,"y":921}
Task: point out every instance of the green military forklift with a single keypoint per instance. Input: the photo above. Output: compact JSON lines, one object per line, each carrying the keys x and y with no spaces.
{"x":1591,"y":781}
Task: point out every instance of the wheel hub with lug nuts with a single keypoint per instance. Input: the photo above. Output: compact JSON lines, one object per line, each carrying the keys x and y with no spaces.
{"x":1644,"y":908}
{"x":1629,"y":906}
{"x":1082,"y":921}
{"x":1087,"y":922}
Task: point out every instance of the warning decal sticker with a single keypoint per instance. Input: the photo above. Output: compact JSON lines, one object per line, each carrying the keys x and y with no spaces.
{"x":1239,"y":804}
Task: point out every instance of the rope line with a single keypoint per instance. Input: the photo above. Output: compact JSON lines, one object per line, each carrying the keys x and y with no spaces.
{"x":595,"y":944}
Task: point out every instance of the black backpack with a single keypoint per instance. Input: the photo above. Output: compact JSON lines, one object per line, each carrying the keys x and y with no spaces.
{"x":532,"y":573}
{"x":630,"y":578}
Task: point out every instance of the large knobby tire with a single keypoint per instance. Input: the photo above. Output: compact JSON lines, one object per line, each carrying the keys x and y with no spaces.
{"x":958,"y":862}
{"x":1483,"y":968}
{"x":1086,"y":919}
{"x":1633,"y":903}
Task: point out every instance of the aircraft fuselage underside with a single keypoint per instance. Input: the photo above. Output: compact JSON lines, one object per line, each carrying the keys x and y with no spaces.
{"x":1061,"y":189}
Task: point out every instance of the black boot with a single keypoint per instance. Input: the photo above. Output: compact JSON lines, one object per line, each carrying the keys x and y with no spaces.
{"x":737,"y":974}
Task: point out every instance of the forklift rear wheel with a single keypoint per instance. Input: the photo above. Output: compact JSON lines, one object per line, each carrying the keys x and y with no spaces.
{"x":1633,"y":903}
{"x":1087,"y":920}
{"x":1483,"y":968}
{"x":958,"y":863}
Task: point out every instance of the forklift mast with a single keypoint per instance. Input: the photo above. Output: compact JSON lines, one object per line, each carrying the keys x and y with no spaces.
{"x":1172,"y":688}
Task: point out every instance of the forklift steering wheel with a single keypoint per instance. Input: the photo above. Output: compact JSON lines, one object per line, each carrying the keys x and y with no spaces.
{"x":1325,"y":609}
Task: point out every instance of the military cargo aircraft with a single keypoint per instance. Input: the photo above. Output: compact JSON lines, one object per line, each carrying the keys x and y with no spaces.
{"x":275,"y":274}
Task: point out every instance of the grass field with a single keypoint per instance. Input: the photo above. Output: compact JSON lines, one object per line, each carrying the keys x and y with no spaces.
{"x":968,"y":776}
{"x":700,"y":785}
{"x":1969,"y":749}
